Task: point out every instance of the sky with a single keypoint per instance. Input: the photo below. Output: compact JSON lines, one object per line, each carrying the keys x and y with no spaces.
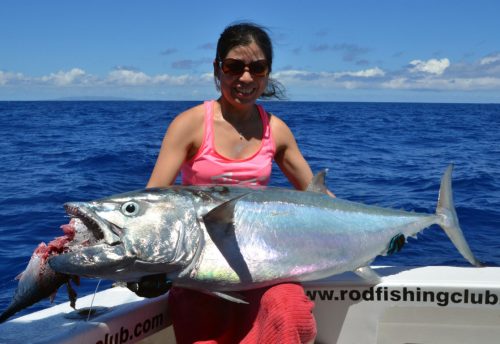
{"x":373,"y":50}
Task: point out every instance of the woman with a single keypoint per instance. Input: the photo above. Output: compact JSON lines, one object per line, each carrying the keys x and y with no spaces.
{"x":233,"y":141}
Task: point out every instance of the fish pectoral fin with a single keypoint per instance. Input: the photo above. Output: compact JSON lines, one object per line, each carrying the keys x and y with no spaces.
{"x":223,"y":213}
{"x":368,"y":274}
{"x":229,"y":296}
{"x":318,"y":183}
{"x":219,"y":223}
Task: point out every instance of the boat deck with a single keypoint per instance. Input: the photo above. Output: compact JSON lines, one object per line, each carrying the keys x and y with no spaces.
{"x":410,"y":305}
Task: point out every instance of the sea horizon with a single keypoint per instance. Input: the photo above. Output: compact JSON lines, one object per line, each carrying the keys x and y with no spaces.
{"x":118,"y":99}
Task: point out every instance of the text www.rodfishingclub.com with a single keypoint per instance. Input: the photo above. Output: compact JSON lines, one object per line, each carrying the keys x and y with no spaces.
{"x":406,"y":294}
{"x":138,"y":330}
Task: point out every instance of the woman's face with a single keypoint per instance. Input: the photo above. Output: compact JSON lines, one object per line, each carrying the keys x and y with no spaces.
{"x":245,"y":88}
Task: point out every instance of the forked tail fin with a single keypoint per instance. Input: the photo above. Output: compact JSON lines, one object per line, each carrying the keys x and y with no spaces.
{"x":449,"y":220}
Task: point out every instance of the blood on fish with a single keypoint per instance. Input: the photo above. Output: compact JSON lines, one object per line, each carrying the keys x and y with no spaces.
{"x":38,"y":280}
{"x":57,"y":245}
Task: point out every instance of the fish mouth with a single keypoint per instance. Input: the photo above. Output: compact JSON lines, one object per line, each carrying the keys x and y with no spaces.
{"x":95,"y":229}
{"x":94,"y":248}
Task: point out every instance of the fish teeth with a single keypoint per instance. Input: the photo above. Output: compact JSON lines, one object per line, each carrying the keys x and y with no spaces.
{"x":86,"y":232}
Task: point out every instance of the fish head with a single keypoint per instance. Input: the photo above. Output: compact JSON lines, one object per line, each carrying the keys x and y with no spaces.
{"x":131,"y":235}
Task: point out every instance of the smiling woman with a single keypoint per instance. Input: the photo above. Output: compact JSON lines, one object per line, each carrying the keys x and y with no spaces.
{"x":233,"y":140}
{"x":238,"y":38}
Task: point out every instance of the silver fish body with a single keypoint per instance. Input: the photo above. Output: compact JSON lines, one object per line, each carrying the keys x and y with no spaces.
{"x":224,"y":238}
{"x":37,"y":282}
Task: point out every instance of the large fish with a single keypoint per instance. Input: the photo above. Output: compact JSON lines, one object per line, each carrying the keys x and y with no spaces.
{"x":225,"y":238}
{"x":233,"y":238}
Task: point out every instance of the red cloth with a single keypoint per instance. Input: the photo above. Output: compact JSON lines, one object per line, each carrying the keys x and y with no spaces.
{"x":279,"y":314}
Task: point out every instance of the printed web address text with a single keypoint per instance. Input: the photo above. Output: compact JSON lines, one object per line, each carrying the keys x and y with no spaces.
{"x":138,"y":330}
{"x":405,"y":294}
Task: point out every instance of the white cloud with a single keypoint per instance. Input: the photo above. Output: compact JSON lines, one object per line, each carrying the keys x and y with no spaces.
{"x":432,"y":66}
{"x":315,"y":76}
{"x":62,"y":78}
{"x":9,"y":78}
{"x":122,"y":76}
{"x":476,"y":83}
{"x":482,"y":74}
{"x":490,"y":59}
{"x":127,"y":77}
{"x":177,"y":80}
{"x":293,"y":74}
{"x":431,"y":77}
{"x":396,"y":83}
{"x":367,"y":73}
{"x":207,"y":77}
{"x":443,"y":84}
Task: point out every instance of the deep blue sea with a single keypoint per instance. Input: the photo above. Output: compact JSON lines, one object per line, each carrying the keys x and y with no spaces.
{"x":388,"y":154}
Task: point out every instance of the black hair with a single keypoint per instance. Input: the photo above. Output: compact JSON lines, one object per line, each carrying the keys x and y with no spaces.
{"x":242,"y":34}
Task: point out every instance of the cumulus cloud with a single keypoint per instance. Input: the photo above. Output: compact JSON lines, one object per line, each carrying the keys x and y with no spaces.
{"x":432,"y":74}
{"x":10,"y":78}
{"x":178,"y":80}
{"x":133,"y":77}
{"x":119,"y":76}
{"x":442,"y":84}
{"x":366,"y":73}
{"x":432,"y":66}
{"x":128,"y":77}
{"x":366,"y":78}
{"x":63,"y":78}
{"x":483,"y":74}
{"x":305,"y":75}
{"x":490,"y":59}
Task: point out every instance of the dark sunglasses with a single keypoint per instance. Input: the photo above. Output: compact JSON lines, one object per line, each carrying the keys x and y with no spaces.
{"x":237,"y":67}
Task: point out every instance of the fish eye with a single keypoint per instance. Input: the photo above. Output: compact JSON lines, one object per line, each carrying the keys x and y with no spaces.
{"x":130,"y":208}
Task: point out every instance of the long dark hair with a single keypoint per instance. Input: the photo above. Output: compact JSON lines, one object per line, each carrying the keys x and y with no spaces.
{"x":242,"y":34}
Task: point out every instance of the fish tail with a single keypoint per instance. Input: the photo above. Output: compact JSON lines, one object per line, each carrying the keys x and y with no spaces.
{"x":448,"y":218}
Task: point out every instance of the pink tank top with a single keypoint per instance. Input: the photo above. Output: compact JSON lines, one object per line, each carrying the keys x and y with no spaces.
{"x":208,"y":167}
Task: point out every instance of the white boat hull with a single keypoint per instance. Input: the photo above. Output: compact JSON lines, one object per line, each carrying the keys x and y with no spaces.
{"x":411,"y":305}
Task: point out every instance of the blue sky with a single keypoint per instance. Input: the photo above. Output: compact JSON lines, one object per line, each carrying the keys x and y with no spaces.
{"x":422,"y":51}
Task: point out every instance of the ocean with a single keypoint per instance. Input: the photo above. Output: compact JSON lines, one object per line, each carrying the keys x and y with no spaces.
{"x":387,"y":154}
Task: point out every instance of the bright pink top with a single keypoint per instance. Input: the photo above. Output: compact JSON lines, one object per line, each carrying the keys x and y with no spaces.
{"x":208,"y":167}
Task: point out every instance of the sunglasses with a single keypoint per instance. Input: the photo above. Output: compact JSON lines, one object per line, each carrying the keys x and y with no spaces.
{"x":237,"y":67}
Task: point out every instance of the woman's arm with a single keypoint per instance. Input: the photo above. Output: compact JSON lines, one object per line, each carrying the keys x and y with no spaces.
{"x":181,"y":142}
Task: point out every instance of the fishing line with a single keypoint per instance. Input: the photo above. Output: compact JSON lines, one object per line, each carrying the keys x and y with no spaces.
{"x":93,"y":298}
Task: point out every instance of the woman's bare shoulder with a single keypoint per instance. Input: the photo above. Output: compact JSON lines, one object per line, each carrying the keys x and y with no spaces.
{"x":280,"y":130}
{"x":191,"y":116}
{"x":187,"y":122}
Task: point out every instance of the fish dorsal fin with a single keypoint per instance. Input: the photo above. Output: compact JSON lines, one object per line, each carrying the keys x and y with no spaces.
{"x":219,"y":223}
{"x":317,"y":184}
{"x":368,"y":274}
